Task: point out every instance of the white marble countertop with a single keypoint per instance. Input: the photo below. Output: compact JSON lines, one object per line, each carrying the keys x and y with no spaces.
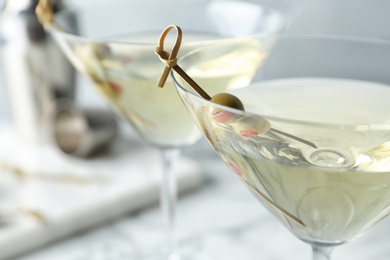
{"x":222,"y":219}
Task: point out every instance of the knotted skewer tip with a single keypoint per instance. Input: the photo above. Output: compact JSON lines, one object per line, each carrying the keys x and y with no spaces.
{"x":169,"y":59}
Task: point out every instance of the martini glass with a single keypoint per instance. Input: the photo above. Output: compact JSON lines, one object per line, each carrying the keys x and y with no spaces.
{"x":313,"y":144}
{"x":115,"y":51}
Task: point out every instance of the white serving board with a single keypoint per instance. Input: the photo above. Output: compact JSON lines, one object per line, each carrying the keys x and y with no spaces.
{"x":98,"y":189}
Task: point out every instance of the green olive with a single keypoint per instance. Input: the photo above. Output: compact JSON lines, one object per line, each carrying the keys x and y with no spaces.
{"x":228,"y":100}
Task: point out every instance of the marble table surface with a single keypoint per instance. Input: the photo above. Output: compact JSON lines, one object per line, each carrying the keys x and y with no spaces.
{"x":221,"y":219}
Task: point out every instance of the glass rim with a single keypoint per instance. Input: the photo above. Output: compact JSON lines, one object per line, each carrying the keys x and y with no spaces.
{"x":339,"y":38}
{"x":68,"y":11}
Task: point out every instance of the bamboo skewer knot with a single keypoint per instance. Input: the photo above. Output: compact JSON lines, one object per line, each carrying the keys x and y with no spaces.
{"x":169,"y":59}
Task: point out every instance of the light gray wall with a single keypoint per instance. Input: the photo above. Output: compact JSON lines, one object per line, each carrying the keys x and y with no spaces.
{"x":363,"y":18}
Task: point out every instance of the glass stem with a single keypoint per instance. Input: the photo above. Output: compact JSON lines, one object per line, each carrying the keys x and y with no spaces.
{"x":322,"y":252}
{"x":168,"y":199}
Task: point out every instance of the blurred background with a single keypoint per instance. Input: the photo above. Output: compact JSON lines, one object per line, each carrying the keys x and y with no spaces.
{"x":359,"y":18}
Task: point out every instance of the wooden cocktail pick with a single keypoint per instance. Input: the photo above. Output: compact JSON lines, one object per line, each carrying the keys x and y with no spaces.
{"x":44,"y":12}
{"x":170,"y":62}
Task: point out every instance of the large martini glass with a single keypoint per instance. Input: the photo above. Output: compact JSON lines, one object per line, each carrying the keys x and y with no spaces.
{"x":115,"y":50}
{"x":313,"y":144}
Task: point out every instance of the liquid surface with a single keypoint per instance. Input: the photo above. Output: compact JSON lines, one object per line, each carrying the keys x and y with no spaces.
{"x":329,"y":193}
{"x":335,"y":101}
